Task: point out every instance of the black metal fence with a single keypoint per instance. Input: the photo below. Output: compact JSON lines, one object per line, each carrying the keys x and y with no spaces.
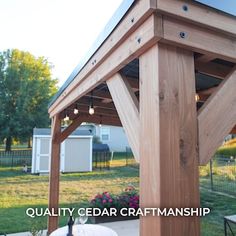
{"x":101,"y":160}
{"x":220,"y":174}
{"x":16,"y":158}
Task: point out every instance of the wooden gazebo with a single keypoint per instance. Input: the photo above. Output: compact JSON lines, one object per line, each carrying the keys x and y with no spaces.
{"x":165,"y":71}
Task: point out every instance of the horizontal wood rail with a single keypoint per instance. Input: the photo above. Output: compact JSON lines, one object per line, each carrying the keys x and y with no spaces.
{"x":199,"y":39}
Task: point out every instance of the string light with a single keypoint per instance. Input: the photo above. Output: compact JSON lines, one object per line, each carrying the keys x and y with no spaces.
{"x":67,"y":118}
{"x":91,"y":108}
{"x":100,"y":124}
{"x":76,"y":111}
{"x":197,"y":98}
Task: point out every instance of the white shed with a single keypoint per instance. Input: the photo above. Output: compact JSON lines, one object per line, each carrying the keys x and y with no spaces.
{"x":76,"y":152}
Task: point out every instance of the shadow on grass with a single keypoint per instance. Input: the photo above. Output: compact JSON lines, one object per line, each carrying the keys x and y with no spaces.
{"x":16,"y":175}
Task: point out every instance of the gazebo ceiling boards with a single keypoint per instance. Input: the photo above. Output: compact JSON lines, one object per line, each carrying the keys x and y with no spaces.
{"x":144,"y":75}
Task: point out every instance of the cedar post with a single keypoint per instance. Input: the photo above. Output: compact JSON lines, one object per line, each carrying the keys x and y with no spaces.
{"x":168,"y":134}
{"x":54,"y":172}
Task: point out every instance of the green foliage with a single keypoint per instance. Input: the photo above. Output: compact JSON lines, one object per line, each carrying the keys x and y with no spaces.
{"x":26,"y":88}
{"x":204,"y":171}
{"x":36,"y":226}
{"x":127,"y":199}
{"x":227,"y":150}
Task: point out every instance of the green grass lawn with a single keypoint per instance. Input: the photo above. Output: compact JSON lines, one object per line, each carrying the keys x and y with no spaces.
{"x":19,"y":191}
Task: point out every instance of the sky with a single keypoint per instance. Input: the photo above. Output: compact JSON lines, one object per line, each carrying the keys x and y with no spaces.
{"x":60,"y":30}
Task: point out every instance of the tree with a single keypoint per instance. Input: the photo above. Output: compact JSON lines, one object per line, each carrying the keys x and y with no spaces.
{"x":26,"y":87}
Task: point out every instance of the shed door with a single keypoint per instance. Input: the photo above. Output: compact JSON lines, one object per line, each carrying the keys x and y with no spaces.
{"x":43,"y":154}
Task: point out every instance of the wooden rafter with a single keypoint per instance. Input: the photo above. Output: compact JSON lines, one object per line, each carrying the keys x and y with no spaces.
{"x":127,"y":107}
{"x":101,"y":119}
{"x":214,"y":124}
{"x":98,"y":110}
{"x":205,"y":58}
{"x":100,"y":94}
{"x":233,"y":131}
{"x":213,"y":69}
{"x":96,"y":103}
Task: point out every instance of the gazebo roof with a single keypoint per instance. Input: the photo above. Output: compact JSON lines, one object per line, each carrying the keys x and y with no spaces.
{"x":110,"y":26}
{"x":209,"y":72}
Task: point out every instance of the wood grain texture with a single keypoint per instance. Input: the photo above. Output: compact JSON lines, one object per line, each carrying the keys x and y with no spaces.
{"x":198,"y":14}
{"x":233,"y":131}
{"x":213,"y":69}
{"x":127,"y":107}
{"x":72,"y":127}
{"x":216,"y":118}
{"x":54,"y":173}
{"x":168,"y":132}
{"x":205,"y":58}
{"x":199,"y":39}
{"x":122,"y":55}
{"x":104,"y":120}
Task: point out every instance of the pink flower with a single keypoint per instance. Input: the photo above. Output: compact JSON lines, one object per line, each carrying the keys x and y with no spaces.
{"x":104,"y":201}
{"x":110,"y":200}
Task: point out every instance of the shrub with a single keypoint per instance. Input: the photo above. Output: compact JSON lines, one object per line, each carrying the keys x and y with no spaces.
{"x":127,"y":199}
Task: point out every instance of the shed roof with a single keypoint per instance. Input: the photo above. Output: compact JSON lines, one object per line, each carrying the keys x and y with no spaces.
{"x":47,"y":132}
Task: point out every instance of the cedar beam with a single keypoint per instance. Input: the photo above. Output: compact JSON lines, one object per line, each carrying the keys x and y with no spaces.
{"x":233,"y":131}
{"x":72,"y":127}
{"x":168,"y":132}
{"x":205,"y":58}
{"x":199,"y":15}
{"x":199,"y":39}
{"x":127,"y":107}
{"x":216,"y":118}
{"x":103,"y":120}
{"x":213,"y":69}
{"x":54,"y":173}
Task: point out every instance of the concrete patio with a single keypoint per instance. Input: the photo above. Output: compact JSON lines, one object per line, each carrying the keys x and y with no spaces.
{"x":122,"y":228}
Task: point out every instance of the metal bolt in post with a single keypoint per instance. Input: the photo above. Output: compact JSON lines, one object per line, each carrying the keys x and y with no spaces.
{"x":185,"y":7}
{"x":182,"y":35}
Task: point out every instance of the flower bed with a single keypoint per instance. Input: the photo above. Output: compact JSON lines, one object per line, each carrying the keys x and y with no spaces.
{"x":127,"y":199}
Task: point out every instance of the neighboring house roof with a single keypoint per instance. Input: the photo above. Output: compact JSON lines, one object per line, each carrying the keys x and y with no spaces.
{"x":46,"y":131}
{"x":99,"y":147}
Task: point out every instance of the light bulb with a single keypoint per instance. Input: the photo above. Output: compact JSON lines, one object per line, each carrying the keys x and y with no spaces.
{"x":76,"y":111}
{"x":197,"y":98}
{"x":66,"y":118}
{"x":100,"y":125}
{"x":91,"y":110}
